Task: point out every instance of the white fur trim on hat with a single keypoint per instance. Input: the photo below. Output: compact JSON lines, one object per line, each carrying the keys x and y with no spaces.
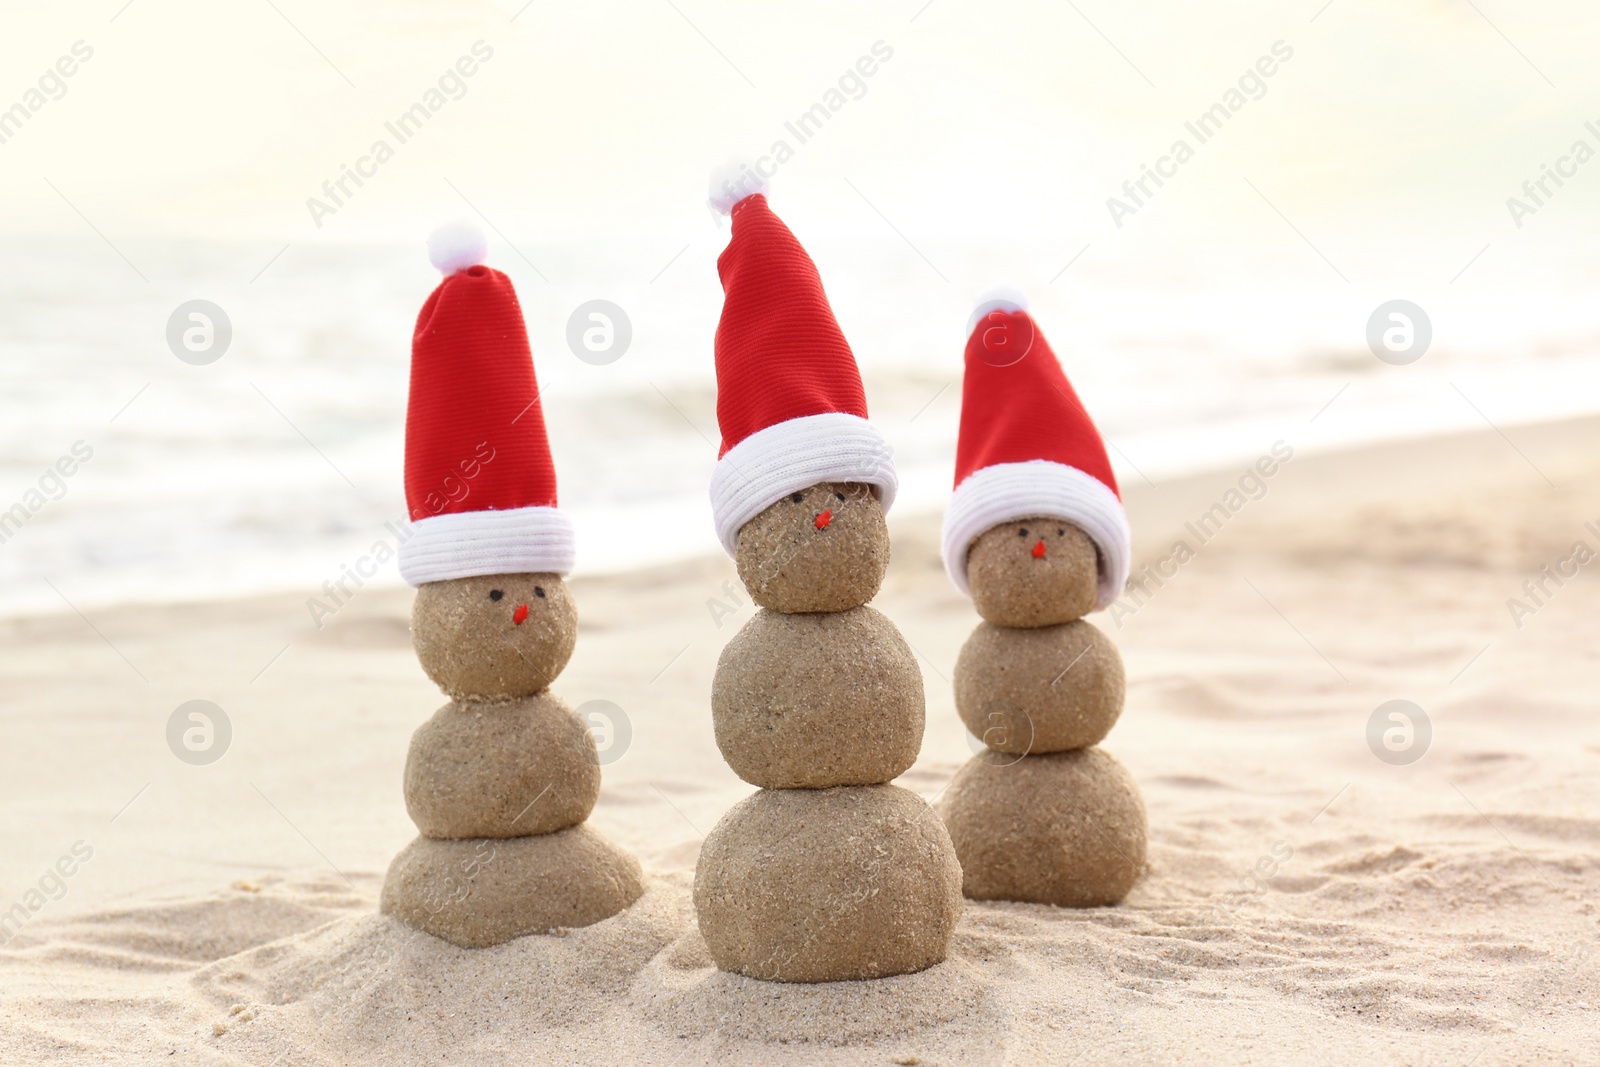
{"x":789,"y":456}
{"x":464,"y":544}
{"x":1000,"y":298}
{"x":1006,"y":492}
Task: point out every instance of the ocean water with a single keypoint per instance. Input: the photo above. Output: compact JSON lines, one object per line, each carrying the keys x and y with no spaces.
{"x":279,"y":464}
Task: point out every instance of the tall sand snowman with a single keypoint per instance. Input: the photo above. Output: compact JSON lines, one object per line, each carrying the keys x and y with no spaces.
{"x":1036,"y":534}
{"x":500,"y":780}
{"x":827,"y":873}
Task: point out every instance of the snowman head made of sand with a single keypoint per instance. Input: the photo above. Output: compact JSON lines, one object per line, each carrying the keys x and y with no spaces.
{"x":803,"y":480}
{"x":489,"y":548}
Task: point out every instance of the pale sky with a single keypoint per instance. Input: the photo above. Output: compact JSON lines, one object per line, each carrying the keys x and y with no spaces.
{"x":1392,"y":122}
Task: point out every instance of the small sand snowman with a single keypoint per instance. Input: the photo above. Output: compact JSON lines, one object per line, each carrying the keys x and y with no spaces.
{"x":500,"y":780}
{"x":1037,"y":536}
{"x":828,"y":872}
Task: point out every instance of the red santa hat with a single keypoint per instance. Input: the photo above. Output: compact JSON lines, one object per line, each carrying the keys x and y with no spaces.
{"x":1028,"y":448}
{"x":480,"y":484}
{"x":789,"y":397}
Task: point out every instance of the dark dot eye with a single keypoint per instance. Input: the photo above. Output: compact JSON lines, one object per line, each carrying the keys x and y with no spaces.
{"x":1022,"y":532}
{"x":495,"y":594}
{"x":797,"y":497}
{"x":839,"y":495}
{"x":538,"y":591}
{"x":1061,"y":531}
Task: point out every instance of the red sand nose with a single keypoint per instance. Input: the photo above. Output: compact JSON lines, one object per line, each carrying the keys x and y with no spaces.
{"x":1038,"y":549}
{"x":520,"y":614}
{"x":825,"y":518}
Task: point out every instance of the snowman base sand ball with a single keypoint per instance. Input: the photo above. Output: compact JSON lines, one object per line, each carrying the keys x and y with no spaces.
{"x":826,"y":873}
{"x":1036,"y":534}
{"x":500,"y":780}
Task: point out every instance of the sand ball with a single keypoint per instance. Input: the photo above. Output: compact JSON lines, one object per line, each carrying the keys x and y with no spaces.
{"x":1066,"y":828}
{"x":1041,"y":690}
{"x":825,"y":548}
{"x":501,"y":770}
{"x":496,"y":636}
{"x":1015,"y":582}
{"x":822,"y":885}
{"x":808,"y":701}
{"x":477,"y":893}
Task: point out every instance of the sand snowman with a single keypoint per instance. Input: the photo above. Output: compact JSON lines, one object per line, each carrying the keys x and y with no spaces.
{"x":500,"y":780}
{"x":828,"y":872}
{"x":1036,"y":534}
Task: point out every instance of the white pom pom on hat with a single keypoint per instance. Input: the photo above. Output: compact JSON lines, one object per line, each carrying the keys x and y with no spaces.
{"x":457,"y":246}
{"x":999,"y":298}
{"x":732,"y":182}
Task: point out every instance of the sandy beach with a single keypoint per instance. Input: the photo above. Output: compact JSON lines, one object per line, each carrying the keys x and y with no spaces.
{"x":1305,"y":901}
